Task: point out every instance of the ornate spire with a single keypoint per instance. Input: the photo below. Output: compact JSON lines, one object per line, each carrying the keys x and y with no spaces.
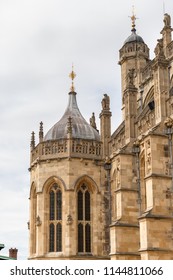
{"x":32,"y":145}
{"x":72,"y":75}
{"x":41,"y":135}
{"x":69,"y":125}
{"x":93,"y":121}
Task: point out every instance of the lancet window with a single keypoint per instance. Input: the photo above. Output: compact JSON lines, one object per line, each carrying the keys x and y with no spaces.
{"x":55,"y":219}
{"x":34,"y":215}
{"x":84,"y":219}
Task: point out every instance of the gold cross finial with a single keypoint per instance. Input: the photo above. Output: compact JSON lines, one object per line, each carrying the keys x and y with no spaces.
{"x":133,"y":18}
{"x":72,"y":75}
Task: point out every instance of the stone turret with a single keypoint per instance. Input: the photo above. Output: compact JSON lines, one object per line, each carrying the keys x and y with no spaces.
{"x":67,"y":213}
{"x":134,"y":54}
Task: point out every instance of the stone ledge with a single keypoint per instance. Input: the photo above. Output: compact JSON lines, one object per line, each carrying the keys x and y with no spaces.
{"x":148,"y":215}
{"x":124,"y":253}
{"x":155,"y":250}
{"x":159,"y":176}
{"x":125,"y":189}
{"x":119,"y":224}
{"x":71,"y":257}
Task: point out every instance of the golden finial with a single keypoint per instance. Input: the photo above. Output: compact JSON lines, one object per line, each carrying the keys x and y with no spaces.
{"x":133,"y":18}
{"x":72,"y":75}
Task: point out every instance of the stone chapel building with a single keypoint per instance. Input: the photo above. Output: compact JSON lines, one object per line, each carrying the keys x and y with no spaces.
{"x":110,"y":195}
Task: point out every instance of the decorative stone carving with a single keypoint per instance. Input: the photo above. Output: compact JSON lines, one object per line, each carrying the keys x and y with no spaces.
{"x":130,"y":77}
{"x":32,"y":144}
{"x":148,"y":157}
{"x":38,"y":221}
{"x":169,"y":122}
{"x":28,"y":224}
{"x":167,"y":20}
{"x":56,"y":147}
{"x":159,"y":48}
{"x":118,"y":173}
{"x":69,"y":125}
{"x":148,"y":162}
{"x":168,"y":193}
{"x":166,"y":168}
{"x":41,"y":133}
{"x":106,"y":102}
{"x":93,"y":121}
{"x":69,"y":220}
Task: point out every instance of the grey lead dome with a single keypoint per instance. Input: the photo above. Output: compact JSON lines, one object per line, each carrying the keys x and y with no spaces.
{"x":80,"y":128}
{"x":134,"y":38}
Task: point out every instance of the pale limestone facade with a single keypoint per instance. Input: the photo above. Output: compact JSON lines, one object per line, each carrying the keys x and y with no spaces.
{"x":127,"y":174}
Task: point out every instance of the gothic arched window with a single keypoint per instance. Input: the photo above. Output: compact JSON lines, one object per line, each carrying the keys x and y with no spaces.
{"x":55,"y":219}
{"x":84,"y":219}
{"x":33,"y":219}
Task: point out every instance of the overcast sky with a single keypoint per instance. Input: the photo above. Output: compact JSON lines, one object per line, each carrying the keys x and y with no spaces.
{"x":39,"y":41}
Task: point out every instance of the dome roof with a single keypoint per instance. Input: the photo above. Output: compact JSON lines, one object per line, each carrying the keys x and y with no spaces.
{"x":80,"y":128}
{"x":134,"y":38}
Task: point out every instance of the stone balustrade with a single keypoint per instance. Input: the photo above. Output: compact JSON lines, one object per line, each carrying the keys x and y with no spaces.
{"x":60,"y":148}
